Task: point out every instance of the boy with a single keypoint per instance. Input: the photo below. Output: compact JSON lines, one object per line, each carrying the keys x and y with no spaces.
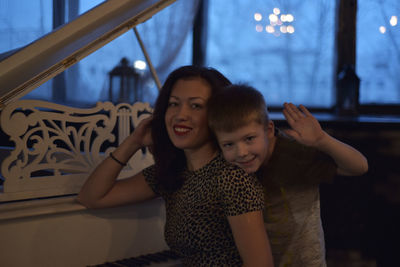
{"x":290,"y":166}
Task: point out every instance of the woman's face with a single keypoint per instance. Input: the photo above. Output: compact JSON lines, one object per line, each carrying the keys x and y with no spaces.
{"x":186,"y":115}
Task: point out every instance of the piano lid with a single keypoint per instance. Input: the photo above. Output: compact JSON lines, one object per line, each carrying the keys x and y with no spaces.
{"x":30,"y":66}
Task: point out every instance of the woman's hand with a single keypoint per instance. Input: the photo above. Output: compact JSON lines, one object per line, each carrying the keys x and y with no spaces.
{"x":102,"y":189}
{"x":142,"y":133}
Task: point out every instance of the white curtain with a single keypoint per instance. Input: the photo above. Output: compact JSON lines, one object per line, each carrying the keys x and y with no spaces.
{"x":167,"y":40}
{"x":165,"y":34}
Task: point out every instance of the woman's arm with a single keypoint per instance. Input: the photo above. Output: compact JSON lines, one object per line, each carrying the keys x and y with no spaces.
{"x":251,"y":239}
{"x":307,"y":130}
{"x":102,"y":189}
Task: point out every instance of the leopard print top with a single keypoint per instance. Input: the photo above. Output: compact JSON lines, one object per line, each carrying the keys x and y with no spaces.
{"x":196,"y":215}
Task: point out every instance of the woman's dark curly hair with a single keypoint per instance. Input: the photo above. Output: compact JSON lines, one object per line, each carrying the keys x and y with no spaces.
{"x":169,"y":160}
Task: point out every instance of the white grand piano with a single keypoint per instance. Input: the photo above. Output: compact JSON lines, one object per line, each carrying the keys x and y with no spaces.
{"x":57,"y":146}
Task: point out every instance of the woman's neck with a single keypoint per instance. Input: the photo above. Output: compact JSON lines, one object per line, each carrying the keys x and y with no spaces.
{"x":197,"y":158}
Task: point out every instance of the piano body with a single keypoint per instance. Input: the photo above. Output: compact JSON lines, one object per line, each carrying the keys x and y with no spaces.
{"x":40,"y":222}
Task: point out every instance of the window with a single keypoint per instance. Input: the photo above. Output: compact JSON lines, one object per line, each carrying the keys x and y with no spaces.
{"x":17,"y":29}
{"x":87,"y":82}
{"x":378,"y":51}
{"x":284,"y":49}
{"x":287,"y":49}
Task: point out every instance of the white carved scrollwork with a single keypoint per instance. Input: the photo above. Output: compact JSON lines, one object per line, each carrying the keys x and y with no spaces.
{"x":57,"y":146}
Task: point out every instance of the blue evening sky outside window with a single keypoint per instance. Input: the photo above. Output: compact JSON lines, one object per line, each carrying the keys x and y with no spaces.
{"x":29,"y":20}
{"x":91,"y":82}
{"x":378,"y":51}
{"x":297,"y":67}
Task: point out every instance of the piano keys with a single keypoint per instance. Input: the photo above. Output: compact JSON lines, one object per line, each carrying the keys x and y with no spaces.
{"x":166,"y":258}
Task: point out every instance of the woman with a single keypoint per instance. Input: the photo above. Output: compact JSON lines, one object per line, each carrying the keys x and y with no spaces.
{"x":213,"y":209}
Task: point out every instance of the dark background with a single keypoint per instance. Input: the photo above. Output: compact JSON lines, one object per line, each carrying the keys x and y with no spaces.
{"x":361,"y":215}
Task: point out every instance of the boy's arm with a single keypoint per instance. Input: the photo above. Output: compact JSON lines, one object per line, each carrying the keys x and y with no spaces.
{"x":307,"y":131}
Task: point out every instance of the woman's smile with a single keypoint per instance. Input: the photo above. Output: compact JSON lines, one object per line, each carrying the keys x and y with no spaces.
{"x":186,"y":116}
{"x":181,"y":130}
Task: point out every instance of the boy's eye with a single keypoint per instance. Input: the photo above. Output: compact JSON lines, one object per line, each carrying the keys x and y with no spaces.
{"x":250,"y":138}
{"x":227,"y":145}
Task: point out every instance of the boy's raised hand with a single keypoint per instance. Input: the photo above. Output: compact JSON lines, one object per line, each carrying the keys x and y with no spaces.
{"x":305,"y":128}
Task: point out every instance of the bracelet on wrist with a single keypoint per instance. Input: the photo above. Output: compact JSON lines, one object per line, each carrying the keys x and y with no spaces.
{"x":117,"y":160}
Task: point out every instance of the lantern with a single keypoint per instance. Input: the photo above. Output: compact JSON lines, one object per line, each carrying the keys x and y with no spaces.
{"x":348,"y":85}
{"x":124,"y":84}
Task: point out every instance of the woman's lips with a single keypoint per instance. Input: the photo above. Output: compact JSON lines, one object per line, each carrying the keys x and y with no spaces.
{"x":181,"y":130}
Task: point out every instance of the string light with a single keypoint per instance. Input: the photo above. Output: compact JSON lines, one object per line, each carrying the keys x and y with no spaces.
{"x":257,"y":17}
{"x":393,"y":21}
{"x":276,"y":20}
{"x":276,"y":11}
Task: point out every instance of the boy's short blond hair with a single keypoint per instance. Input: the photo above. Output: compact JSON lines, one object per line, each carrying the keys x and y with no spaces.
{"x":236,"y":106}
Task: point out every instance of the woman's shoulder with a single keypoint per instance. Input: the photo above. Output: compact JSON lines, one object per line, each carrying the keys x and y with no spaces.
{"x":228,"y":172}
{"x":149,"y":172}
{"x":240,"y":192}
{"x":224,"y":166}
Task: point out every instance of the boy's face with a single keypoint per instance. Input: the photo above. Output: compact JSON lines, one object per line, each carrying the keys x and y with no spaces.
{"x":246,"y":147}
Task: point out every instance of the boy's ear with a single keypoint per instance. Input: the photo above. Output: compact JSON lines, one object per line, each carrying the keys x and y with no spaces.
{"x":270,"y":129}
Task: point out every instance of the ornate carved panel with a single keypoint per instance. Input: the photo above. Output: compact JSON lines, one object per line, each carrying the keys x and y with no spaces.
{"x":57,"y":146}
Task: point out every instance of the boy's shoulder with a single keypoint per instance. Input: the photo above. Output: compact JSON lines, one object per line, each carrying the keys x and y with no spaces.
{"x":290,"y":159}
{"x":286,"y":145}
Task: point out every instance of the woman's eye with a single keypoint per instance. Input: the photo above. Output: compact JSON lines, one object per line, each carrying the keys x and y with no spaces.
{"x":196,"y":106}
{"x":172,"y":104}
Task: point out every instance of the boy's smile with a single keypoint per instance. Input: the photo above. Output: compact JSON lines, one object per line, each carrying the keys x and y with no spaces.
{"x":246,"y":147}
